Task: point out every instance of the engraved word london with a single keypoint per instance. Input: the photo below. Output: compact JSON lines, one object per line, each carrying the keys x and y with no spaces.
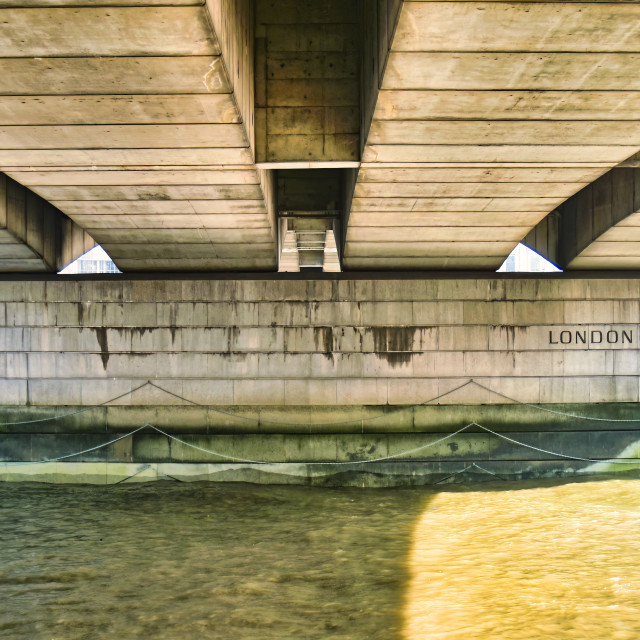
{"x":588,"y":337}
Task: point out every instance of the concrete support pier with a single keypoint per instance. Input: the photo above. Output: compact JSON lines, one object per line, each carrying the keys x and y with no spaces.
{"x":345,"y":380}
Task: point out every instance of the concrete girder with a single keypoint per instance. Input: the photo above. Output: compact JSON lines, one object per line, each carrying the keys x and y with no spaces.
{"x":489,"y":115}
{"x":597,"y":228}
{"x":127,"y":119}
{"x":34,"y":235}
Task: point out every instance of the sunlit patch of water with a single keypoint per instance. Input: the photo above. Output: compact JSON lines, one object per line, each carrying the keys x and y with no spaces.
{"x":541,"y":562}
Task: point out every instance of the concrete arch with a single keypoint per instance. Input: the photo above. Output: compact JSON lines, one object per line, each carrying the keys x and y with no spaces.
{"x":597,"y":228}
{"x":34,"y":235}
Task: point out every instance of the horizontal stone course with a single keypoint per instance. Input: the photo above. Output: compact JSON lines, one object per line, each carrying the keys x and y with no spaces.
{"x":342,"y":313}
{"x":489,"y":288}
{"x":412,"y":339}
{"x":152,"y":446}
{"x":313,"y":366}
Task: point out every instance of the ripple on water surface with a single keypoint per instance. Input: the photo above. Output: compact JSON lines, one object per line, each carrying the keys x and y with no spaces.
{"x":194,"y":561}
{"x":244,"y":562}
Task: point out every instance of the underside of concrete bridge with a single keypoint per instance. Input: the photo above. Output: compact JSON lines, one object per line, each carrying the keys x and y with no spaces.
{"x":252,"y":135}
{"x":394,"y":140}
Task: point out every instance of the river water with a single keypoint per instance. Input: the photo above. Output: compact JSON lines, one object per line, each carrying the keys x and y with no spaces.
{"x":244,"y":562}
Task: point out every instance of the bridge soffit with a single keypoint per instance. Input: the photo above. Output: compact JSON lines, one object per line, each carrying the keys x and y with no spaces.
{"x":125,"y":119}
{"x":489,"y":116}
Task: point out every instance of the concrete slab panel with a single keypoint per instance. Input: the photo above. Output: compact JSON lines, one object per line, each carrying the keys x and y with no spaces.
{"x":510,"y":151}
{"x":123,"y":157}
{"x":118,"y":109}
{"x":492,"y":132}
{"x":113,"y":75}
{"x":520,"y":71}
{"x":92,"y":177}
{"x":507,"y":105}
{"x":98,"y":31}
{"x":497,"y":26}
{"x":122,"y":136}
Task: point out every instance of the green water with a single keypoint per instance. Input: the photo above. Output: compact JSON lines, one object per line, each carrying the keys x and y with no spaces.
{"x":241,"y":562}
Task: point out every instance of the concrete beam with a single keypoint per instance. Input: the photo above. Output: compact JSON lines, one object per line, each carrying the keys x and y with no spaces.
{"x":598,"y":228}
{"x":34,"y":235}
{"x":136,"y":115}
{"x":485,"y":108}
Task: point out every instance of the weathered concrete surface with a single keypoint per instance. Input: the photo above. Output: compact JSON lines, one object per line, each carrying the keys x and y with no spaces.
{"x":307,"y":81}
{"x":597,"y":228}
{"x":331,"y":371}
{"x":34,"y":235}
{"x":130,"y":120}
{"x":488,"y":116}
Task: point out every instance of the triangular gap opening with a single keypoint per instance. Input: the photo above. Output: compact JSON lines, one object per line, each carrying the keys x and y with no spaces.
{"x":95,"y":260}
{"x":523,"y":259}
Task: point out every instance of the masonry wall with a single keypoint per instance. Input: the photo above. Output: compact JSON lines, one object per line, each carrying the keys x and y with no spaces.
{"x":297,"y":371}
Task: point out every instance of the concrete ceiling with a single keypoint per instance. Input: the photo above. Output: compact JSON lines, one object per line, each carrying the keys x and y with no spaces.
{"x":489,"y":116}
{"x":135,"y":118}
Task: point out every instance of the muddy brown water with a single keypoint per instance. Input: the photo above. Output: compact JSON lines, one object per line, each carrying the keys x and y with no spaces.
{"x":242,"y":562}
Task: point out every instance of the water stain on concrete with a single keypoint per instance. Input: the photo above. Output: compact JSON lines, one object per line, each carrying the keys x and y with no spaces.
{"x":323,"y":339}
{"x":393,"y":344}
{"x":101,"y":335}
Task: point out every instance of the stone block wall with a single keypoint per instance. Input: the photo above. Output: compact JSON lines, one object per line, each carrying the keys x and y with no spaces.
{"x":297,"y":371}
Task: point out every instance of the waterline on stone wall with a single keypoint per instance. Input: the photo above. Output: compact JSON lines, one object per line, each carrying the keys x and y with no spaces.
{"x":611,"y":461}
{"x":214,"y":408}
{"x":597,"y":465}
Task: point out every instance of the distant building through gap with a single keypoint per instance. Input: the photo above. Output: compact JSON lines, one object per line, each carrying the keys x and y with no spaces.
{"x":95,"y":260}
{"x":524,"y":259}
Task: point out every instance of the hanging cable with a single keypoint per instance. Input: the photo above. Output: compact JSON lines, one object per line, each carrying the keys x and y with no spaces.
{"x":78,"y":411}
